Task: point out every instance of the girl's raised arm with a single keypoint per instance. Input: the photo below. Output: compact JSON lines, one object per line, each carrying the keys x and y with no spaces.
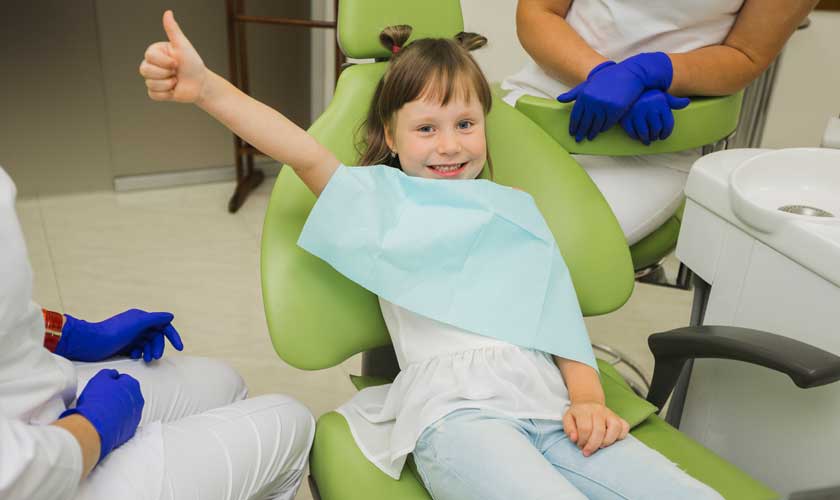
{"x":175,"y":72}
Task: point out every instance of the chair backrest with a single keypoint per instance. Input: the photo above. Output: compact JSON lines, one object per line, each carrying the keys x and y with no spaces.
{"x":316,"y":317}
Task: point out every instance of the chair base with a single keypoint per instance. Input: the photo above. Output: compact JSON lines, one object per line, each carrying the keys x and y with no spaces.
{"x":655,"y":275}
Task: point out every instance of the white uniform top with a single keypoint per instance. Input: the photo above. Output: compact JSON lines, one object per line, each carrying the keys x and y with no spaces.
{"x":643,"y":191}
{"x":444,"y":368}
{"x":36,"y":461}
{"x":618,"y":29}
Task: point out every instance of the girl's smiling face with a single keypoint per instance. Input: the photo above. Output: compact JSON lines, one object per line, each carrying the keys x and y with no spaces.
{"x":439,"y":141}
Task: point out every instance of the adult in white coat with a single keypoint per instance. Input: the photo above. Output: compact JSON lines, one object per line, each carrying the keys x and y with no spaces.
{"x":69,"y":420}
{"x":664,"y":48}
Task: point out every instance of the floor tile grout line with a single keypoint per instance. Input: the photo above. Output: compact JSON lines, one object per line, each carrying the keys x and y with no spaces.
{"x":50,"y":252}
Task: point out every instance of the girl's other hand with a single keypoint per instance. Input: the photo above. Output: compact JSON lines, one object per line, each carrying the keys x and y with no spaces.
{"x":592,"y":426}
{"x":173,"y":70}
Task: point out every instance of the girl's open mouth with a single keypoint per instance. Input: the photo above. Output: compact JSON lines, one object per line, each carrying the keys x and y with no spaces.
{"x":447,"y":170}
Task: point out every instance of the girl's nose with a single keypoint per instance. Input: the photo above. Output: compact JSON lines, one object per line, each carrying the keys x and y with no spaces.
{"x":448,"y":144}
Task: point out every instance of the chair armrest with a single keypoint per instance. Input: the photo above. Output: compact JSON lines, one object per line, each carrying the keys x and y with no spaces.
{"x":705,"y":121}
{"x":806,"y":365}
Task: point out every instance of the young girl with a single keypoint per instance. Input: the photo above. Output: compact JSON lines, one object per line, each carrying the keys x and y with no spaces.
{"x":484,"y":418}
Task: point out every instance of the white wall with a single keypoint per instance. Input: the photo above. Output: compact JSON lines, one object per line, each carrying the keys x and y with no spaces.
{"x":76,"y":114}
{"x":322,"y":71}
{"x":807,"y":91}
{"x":495,"y":19}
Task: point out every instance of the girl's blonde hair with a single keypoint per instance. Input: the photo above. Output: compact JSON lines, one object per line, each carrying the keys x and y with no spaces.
{"x":437,"y":68}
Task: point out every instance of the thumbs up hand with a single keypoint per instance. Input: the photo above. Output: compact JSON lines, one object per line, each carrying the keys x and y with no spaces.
{"x":173,"y":69}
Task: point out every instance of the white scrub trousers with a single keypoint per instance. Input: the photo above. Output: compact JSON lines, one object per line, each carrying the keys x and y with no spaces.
{"x":199,"y":439}
{"x":642,"y":191}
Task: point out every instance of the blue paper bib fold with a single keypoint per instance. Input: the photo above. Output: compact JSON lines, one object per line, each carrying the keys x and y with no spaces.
{"x":469,"y":253}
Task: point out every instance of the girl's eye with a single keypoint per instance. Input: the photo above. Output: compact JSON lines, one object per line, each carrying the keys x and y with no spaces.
{"x":425,"y":129}
{"x":465,"y":124}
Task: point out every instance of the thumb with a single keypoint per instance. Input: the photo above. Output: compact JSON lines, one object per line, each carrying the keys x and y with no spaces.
{"x":176,"y":37}
{"x":155,"y":320}
{"x":108,"y":373}
{"x":570,"y":427}
{"x":572,"y":94}
{"x":677,"y":102}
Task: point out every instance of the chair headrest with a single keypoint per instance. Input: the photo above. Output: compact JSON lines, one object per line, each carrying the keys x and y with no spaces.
{"x":361,"y":21}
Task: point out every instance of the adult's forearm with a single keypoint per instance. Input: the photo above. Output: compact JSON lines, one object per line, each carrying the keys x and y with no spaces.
{"x":581,"y":380}
{"x":761,"y":30}
{"x":553,"y":44}
{"x":85,"y":433}
{"x":712,"y":71}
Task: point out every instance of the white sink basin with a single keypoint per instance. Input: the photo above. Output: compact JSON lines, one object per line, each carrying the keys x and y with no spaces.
{"x":789,"y":185}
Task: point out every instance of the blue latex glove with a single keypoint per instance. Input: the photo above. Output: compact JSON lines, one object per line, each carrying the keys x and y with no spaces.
{"x":113,"y":403}
{"x":650,"y":118}
{"x":133,"y":332}
{"x":611,"y":89}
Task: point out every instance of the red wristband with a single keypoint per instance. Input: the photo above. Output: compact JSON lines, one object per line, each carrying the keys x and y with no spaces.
{"x":53,"y":323}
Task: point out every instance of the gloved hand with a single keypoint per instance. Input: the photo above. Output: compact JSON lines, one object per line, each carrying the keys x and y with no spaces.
{"x":611,"y":89}
{"x":113,"y":403}
{"x":133,"y":332}
{"x":650,"y":117}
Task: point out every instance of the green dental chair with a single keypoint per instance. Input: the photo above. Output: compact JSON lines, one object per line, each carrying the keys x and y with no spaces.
{"x":318,"y":318}
{"x":706,"y":123}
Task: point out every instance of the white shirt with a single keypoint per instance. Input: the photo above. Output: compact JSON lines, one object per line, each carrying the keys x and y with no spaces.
{"x":37,"y":461}
{"x":618,"y":29}
{"x":443,"y":369}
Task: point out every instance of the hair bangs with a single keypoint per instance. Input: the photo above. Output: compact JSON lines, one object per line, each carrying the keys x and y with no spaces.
{"x":447,"y":84}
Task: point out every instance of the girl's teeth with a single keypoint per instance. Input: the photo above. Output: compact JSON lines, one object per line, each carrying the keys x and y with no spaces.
{"x":447,"y":168}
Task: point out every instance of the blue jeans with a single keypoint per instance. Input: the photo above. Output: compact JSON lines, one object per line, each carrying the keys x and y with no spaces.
{"x":484,"y":455}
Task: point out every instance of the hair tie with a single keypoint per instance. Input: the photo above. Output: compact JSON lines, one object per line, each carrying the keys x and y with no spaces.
{"x":395,"y":48}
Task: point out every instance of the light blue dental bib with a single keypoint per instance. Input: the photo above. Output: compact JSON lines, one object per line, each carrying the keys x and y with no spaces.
{"x":469,"y":253}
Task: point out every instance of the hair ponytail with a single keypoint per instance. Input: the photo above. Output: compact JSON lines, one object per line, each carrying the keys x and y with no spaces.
{"x":470,"y":41}
{"x":394,"y":38}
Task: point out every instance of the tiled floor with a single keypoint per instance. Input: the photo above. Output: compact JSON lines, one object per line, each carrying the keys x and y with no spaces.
{"x":179,"y":250}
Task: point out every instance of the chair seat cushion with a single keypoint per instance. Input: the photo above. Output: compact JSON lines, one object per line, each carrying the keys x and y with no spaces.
{"x":342,"y":472}
{"x":656,"y":246}
{"x":700,"y":462}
